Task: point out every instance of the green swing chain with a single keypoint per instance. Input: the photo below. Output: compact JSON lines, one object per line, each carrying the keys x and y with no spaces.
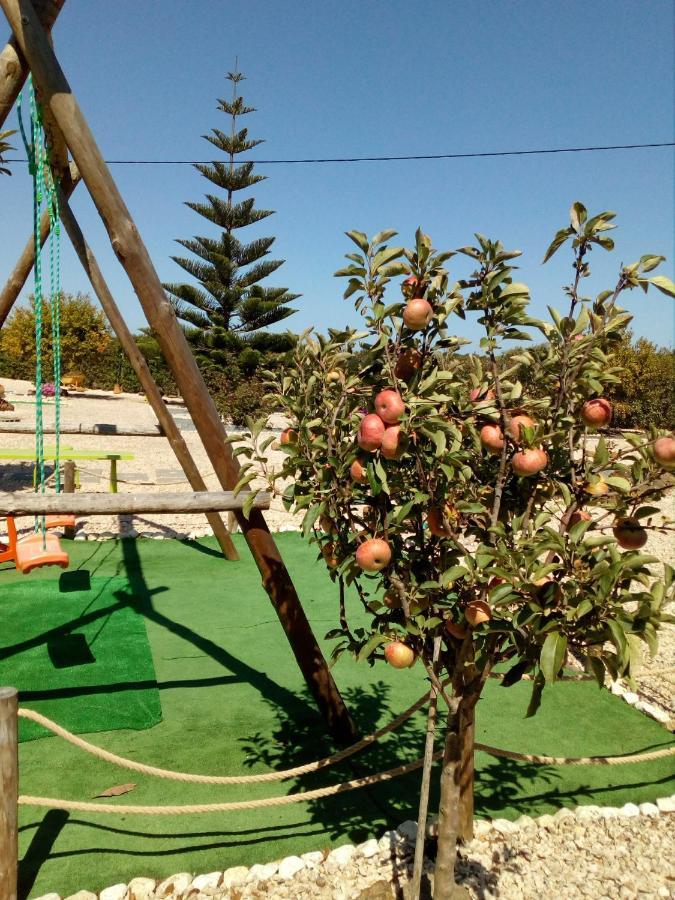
{"x":43,"y":183}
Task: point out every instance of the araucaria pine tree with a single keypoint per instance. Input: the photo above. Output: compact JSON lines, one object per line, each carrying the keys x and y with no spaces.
{"x":229,"y":309}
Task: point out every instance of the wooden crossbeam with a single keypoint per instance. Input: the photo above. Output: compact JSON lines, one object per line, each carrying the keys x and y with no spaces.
{"x":125,"y":504}
{"x":82,"y":428}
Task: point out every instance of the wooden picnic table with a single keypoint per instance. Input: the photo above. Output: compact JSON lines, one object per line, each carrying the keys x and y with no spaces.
{"x":70,"y":454}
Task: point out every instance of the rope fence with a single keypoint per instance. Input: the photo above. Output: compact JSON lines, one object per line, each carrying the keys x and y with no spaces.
{"x":301,"y":797}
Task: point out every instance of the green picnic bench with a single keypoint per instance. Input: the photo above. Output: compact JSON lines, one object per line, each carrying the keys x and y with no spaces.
{"x":70,"y":454}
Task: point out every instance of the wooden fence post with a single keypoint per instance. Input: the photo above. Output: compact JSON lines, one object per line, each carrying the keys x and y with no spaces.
{"x":9,"y":792}
{"x":69,"y":488}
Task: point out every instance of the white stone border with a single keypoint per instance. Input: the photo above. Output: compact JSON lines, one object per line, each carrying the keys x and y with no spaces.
{"x":397,"y":842}
{"x":633,"y":699}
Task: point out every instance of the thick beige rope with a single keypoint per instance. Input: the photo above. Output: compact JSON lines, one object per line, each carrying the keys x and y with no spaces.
{"x":331,"y":790}
{"x":135,"y":766}
{"x":578,"y":760}
{"x":283,"y":800}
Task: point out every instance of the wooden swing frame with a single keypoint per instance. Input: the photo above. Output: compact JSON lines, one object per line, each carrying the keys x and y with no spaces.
{"x":29,"y":49}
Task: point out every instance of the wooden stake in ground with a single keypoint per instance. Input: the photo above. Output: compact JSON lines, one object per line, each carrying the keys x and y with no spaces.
{"x":133,"y":255}
{"x":9,"y":793}
{"x":69,"y":488}
{"x":423,"y":809}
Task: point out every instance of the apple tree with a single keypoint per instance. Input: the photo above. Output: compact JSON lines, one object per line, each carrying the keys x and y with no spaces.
{"x":478,"y":525}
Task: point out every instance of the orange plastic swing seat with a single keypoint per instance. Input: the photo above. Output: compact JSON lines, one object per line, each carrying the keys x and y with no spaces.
{"x":62,"y":521}
{"x":38,"y":550}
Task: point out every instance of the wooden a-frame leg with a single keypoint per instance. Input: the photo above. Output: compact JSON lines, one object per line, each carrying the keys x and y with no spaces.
{"x":133,"y":255}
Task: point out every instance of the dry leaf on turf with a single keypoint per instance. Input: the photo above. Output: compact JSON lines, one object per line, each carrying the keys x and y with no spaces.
{"x":117,"y":790}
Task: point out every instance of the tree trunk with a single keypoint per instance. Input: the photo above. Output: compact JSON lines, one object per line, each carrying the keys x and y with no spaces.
{"x":448,"y":812}
{"x":467,"y":733}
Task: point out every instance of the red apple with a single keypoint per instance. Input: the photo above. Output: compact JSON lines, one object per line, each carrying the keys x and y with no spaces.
{"x":358,"y":472}
{"x":328,"y":553}
{"x":391,"y":442}
{"x":492,"y":438}
{"x":579,"y":515}
{"x":457,"y":631}
{"x":664,"y":451}
{"x":597,"y":413}
{"x":529,"y":461}
{"x":409,"y":287}
{"x":417,"y":314}
{"x":391,"y":600}
{"x":481,"y":397}
{"x":389,"y":406}
{"x":408,"y":362}
{"x":477,"y":612}
{"x":371,"y":432}
{"x":373,"y":555}
{"x":399,"y":655}
{"x":518,"y":422}
{"x":629,"y":533}
{"x":288,"y":436}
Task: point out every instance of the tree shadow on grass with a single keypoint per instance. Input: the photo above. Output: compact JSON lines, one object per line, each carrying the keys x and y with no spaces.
{"x":367,"y":811}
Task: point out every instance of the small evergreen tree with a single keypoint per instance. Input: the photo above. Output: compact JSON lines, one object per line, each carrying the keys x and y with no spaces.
{"x":229,"y":309}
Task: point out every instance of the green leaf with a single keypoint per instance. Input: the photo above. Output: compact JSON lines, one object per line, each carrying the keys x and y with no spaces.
{"x":557,"y":242}
{"x":618,"y":638}
{"x":552,"y":655}
{"x":649,"y":262}
{"x":597,"y":669}
{"x":621,"y":484}
{"x":310,"y":518}
{"x":665,"y":285}
{"x":454,"y":573}
{"x":359,"y":238}
{"x":578,"y":215}
{"x":383,"y":236}
{"x":387,"y":254}
{"x":248,"y":503}
{"x":515,"y":673}
{"x":583,"y":608}
{"x":535,"y":700}
{"x":371,"y":645}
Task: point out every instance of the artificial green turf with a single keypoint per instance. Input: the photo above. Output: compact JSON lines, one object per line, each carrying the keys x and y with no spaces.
{"x":233,"y":701}
{"x":78,"y":652}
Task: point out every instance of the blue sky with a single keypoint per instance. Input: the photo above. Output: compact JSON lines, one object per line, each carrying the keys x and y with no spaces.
{"x":374,"y":78}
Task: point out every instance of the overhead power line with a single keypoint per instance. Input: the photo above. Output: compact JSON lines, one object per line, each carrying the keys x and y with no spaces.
{"x":357,"y":159}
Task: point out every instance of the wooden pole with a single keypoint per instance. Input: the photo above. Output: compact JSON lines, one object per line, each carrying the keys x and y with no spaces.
{"x":83,"y":428}
{"x":90,"y":504}
{"x":13,"y":67}
{"x":133,"y":255}
{"x":423,"y":809}
{"x":9,"y":793}
{"x":24,"y":266}
{"x":142,"y":370}
{"x":69,"y":488}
